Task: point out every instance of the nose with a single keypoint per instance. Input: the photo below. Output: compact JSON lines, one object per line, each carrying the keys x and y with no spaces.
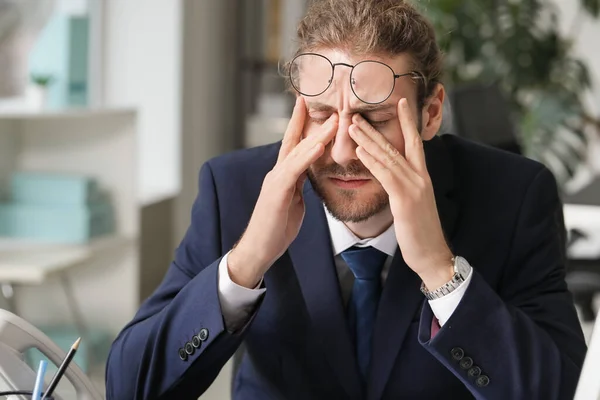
{"x":343,"y":149}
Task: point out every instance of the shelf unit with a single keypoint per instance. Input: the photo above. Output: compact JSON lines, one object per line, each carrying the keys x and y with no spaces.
{"x":100,"y":143}
{"x":265,"y":38}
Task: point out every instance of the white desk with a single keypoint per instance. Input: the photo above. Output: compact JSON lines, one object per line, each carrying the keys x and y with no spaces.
{"x":28,"y":262}
{"x":25,"y":262}
{"x":586,"y":219}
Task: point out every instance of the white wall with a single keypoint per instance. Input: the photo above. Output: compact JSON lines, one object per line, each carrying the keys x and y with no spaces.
{"x":209,"y":48}
{"x":142,"y":69}
{"x":72,"y":7}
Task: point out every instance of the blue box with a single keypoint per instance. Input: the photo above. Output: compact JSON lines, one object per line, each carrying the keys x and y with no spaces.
{"x":59,"y":224}
{"x":32,"y":188}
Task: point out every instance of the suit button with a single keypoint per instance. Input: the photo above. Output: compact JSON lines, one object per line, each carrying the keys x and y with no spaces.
{"x":482,"y":381}
{"x":189,"y":349}
{"x":196,"y":341}
{"x":457,"y":353}
{"x":182,"y":354}
{"x":203,"y":334}
{"x":475,"y":372}
{"x":466,"y":363}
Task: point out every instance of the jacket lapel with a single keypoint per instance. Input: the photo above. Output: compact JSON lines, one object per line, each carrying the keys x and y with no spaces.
{"x":312,"y":257}
{"x":401,"y":295}
{"x":399,"y":302}
{"x":445,"y":186}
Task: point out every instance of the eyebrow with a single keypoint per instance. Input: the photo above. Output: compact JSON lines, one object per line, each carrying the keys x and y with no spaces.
{"x":366,"y":108}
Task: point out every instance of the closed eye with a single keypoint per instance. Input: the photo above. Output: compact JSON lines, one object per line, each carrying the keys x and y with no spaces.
{"x":319,"y":121}
{"x":319,"y":118}
{"x":376,"y":124}
{"x":378,"y":118}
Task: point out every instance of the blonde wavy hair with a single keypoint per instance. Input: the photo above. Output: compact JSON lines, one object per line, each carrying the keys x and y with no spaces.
{"x":379,"y":27}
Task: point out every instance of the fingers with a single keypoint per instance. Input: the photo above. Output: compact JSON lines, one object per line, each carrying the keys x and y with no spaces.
{"x":292,"y":170}
{"x":295,"y":164}
{"x":310,"y":149}
{"x":372,"y":135}
{"x":380,"y":149}
{"x":414,"y":153}
{"x":379,"y":171}
{"x":293,"y":133}
{"x":300,"y":182}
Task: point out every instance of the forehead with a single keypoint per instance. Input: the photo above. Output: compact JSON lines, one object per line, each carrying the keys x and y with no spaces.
{"x":401,"y":63}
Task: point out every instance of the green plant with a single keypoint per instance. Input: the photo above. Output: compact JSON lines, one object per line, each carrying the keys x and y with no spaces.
{"x":42,"y":80}
{"x":519,"y":45}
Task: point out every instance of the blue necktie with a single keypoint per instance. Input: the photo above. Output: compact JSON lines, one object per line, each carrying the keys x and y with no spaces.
{"x":366,"y":264}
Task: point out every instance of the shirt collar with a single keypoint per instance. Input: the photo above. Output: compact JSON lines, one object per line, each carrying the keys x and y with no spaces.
{"x":342,"y":238}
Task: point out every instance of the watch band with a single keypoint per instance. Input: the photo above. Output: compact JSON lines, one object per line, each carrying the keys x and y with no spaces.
{"x":462,"y":268}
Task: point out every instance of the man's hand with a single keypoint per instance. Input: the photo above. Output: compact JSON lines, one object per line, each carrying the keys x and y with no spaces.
{"x":279,"y":211}
{"x":412,"y":201}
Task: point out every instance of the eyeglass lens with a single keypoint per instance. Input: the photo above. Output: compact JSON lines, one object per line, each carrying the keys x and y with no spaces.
{"x":371,"y":81}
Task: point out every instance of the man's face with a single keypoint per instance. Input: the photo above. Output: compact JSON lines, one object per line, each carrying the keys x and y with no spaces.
{"x":348,"y":189}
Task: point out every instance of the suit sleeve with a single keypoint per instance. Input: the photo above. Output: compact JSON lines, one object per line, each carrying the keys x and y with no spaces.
{"x":148,"y":359}
{"x":524,"y":340}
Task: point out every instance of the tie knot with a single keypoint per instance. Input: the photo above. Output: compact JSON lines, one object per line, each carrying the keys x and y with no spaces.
{"x":365,"y":263}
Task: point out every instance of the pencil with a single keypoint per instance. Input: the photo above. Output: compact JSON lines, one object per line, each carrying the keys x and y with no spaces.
{"x":39,"y":381}
{"x":62,"y":369}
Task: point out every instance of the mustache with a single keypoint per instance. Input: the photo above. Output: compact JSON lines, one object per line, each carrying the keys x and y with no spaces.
{"x":354,"y":169}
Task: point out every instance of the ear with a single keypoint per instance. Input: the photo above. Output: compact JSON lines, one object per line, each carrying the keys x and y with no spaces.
{"x":432,"y":113}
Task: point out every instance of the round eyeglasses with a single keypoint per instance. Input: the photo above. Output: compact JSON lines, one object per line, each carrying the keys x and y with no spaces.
{"x":372,"y":82}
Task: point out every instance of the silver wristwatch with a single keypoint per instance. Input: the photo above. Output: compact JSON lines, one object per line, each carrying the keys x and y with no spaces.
{"x":462,"y":268}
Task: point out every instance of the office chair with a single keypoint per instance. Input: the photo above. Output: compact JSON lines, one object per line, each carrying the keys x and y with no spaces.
{"x":480,"y":113}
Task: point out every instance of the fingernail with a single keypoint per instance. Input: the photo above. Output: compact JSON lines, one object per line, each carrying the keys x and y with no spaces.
{"x":297,"y":101}
{"x":404,"y":102}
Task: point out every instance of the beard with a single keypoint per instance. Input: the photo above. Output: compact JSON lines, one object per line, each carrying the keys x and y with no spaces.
{"x":348,"y":205}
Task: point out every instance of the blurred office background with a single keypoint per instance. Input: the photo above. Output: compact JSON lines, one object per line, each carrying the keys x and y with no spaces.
{"x":108,"y":108}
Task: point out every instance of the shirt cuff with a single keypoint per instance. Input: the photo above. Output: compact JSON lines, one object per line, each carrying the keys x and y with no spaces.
{"x":237,"y":302}
{"x":444,"y":307}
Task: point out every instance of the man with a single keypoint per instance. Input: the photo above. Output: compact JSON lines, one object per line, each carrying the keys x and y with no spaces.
{"x":407,"y":265}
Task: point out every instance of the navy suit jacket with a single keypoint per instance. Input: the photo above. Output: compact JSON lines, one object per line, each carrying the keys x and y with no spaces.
{"x":516,"y":321}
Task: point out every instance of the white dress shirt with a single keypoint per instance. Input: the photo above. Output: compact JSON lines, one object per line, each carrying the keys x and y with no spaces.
{"x":237,"y":302}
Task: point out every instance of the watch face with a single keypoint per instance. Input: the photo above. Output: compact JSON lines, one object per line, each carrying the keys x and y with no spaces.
{"x":462,"y":266}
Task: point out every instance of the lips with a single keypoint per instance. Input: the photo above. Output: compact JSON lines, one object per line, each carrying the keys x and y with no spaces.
{"x":349,"y":183}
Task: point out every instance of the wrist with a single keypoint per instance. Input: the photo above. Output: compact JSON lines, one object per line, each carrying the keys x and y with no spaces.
{"x":437,"y":277}
{"x":245,"y":268}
